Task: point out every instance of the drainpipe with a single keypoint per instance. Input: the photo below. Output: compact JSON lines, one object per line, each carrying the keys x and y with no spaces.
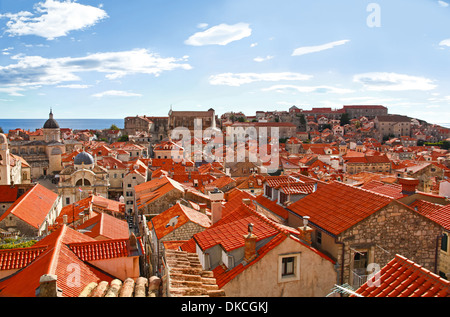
{"x":342,"y":260}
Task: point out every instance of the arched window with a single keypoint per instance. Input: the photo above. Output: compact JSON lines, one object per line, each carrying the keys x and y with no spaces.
{"x":80,"y":182}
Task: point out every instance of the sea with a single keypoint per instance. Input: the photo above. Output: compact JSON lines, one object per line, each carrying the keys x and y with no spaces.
{"x":74,"y":124}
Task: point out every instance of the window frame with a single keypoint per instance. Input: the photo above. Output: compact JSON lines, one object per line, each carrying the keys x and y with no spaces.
{"x":295,"y":274}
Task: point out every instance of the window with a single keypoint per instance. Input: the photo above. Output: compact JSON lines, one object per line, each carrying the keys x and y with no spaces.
{"x":319,"y":237}
{"x":283,"y":198}
{"x":67,"y":200}
{"x":444,"y":242}
{"x":289,"y":267}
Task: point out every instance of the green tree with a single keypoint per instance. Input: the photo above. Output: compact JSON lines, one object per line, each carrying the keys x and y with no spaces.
{"x":114,"y":127}
{"x":345,"y":119}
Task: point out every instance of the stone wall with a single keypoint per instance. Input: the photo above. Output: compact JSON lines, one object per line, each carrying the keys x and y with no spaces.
{"x":393,"y":230}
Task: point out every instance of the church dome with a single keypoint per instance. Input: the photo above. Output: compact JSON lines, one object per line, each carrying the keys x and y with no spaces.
{"x":85,"y":158}
{"x":51,"y":123}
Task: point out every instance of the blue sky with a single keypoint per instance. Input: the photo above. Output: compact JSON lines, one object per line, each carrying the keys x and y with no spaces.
{"x":112,"y":59}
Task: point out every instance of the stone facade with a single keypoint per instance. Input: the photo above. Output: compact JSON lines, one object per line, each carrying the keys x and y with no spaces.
{"x":395,"y":229}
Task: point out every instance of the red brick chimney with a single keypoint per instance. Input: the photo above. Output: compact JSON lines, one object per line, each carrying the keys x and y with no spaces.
{"x":250,"y":244}
{"x":409,"y":185}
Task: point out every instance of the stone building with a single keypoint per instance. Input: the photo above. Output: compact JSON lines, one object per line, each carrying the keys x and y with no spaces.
{"x":178,"y":223}
{"x":159,"y":194}
{"x":243,"y":246}
{"x":132,"y":125}
{"x":367,"y":163}
{"x":82,"y":179}
{"x":393,"y":125}
{"x":363,"y":230}
{"x":44,"y":155}
{"x":370,"y":112}
{"x":186,"y":119}
{"x":32,"y":213}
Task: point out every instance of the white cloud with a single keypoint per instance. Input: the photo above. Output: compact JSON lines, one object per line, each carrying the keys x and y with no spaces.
{"x":222,"y":34}
{"x":230,"y":79}
{"x":53,"y":19}
{"x":116,"y":93}
{"x":12,"y":91}
{"x":314,"y":49}
{"x":308,"y":89}
{"x":443,"y":4}
{"x":262,"y":59}
{"x":202,"y":25}
{"x":32,"y":71}
{"x":445,"y":42}
{"x":393,"y":82}
{"x":74,"y":86}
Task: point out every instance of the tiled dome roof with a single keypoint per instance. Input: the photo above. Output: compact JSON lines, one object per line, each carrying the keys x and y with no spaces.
{"x":85,"y":158}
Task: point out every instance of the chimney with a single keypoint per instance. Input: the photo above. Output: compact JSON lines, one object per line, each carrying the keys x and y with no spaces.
{"x":216,"y":197}
{"x":409,"y":185}
{"x":247,"y":201}
{"x":48,"y":286}
{"x":250,"y":244}
{"x":202,"y":208}
{"x":305,"y":231}
{"x":65,"y":219}
{"x":304,"y":170}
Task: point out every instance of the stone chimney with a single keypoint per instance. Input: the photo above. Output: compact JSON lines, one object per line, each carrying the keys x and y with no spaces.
{"x":247,"y":201}
{"x":48,"y":286}
{"x":216,"y":197}
{"x":250,"y":244}
{"x":305,"y":231}
{"x":409,"y":185}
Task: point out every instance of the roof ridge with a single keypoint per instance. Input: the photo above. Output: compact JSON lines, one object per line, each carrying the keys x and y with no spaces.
{"x":55,"y":256}
{"x":266,"y":220}
{"x":363,"y":189}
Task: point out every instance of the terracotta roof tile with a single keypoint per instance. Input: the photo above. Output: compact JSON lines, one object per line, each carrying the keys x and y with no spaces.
{"x":33,"y":206}
{"x":404,"y":278}
{"x":177,"y":216}
{"x":336,"y":207}
{"x":11,"y":259}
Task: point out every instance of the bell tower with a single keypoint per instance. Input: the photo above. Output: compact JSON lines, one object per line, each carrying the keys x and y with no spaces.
{"x":5,"y":161}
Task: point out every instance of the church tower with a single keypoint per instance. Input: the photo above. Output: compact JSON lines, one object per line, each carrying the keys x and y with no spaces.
{"x":51,"y":130}
{"x":5,"y":161}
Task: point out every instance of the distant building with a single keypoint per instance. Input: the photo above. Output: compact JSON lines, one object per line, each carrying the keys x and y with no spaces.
{"x":393,"y":125}
{"x":370,"y":112}
{"x":43,"y":155}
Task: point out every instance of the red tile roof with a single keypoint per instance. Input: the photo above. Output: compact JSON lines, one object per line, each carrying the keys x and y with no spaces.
{"x":101,"y":250}
{"x":336,"y":207}
{"x":104,"y":226}
{"x":175,"y":217}
{"x":274,"y":181}
{"x":272,"y":206}
{"x":56,"y":259}
{"x":440,"y":216}
{"x":297,"y":188}
{"x":33,"y":206}
{"x":11,"y":259}
{"x":8,"y":193}
{"x":404,"y":278}
{"x":391,"y":190}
